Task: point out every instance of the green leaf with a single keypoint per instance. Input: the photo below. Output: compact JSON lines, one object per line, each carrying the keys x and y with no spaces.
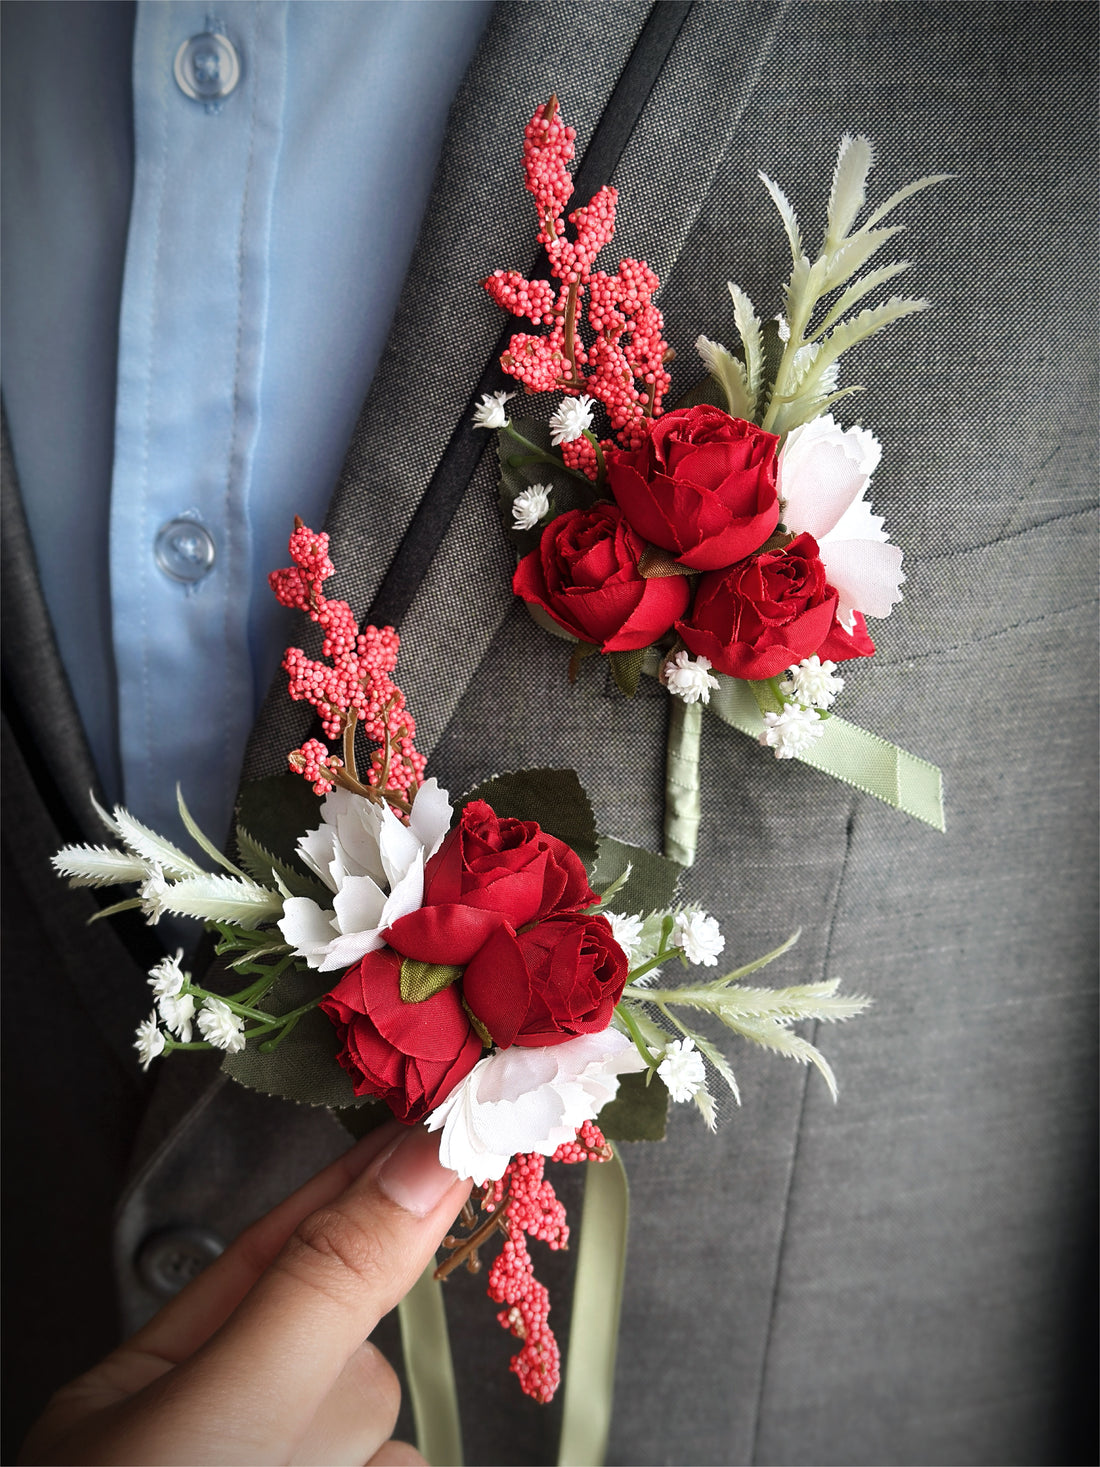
{"x":709,"y":390}
{"x":269,"y":870}
{"x":626,"y":668}
{"x":638,"y":1113}
{"x":552,"y":797}
{"x":651,"y":886}
{"x":527,"y":457}
{"x":276,"y":811}
{"x":304,"y":1067}
{"x":202,"y":840}
{"x":423,"y":980}
{"x":365,"y":1116}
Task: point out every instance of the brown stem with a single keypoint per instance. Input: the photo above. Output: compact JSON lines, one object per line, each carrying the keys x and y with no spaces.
{"x":465,"y":1249}
{"x":570,"y":342}
{"x":349,"y":745}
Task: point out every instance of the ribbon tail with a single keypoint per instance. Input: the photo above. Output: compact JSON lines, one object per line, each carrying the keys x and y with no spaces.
{"x":851,"y":754}
{"x":429,"y":1371}
{"x":594,"y":1327}
{"x":683,"y":804}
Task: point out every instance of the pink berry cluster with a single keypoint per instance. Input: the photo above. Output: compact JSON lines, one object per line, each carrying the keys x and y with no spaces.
{"x":532,"y":1209}
{"x":624,"y":367}
{"x":354,"y":686}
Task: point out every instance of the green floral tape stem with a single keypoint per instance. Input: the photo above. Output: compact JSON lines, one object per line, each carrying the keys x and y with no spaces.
{"x":683,"y":800}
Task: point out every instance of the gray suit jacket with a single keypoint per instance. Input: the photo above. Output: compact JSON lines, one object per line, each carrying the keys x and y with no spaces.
{"x":895,"y":1279}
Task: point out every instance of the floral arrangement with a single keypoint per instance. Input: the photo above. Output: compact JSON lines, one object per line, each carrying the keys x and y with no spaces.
{"x":728,"y":546}
{"x":494,"y":970}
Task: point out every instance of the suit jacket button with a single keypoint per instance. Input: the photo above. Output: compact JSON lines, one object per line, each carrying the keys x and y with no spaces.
{"x":168,"y":1260}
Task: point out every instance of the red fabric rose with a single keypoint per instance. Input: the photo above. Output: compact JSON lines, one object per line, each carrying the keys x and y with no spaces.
{"x":702,"y":486}
{"x":411,"y":1055}
{"x":770,"y":612}
{"x":585,"y":574}
{"x":558,"y":979}
{"x":486,"y":870}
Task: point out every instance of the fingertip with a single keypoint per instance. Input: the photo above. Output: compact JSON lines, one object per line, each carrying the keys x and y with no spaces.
{"x":411,"y":1175}
{"x":397,"y":1454}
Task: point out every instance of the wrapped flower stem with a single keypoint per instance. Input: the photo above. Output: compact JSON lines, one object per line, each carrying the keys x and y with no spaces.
{"x":683,"y":808}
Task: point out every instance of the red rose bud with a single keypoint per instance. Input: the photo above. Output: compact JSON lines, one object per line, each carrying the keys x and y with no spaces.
{"x":486,"y":870}
{"x":702,"y":486}
{"x":762,"y":616}
{"x":585,"y":574}
{"x":411,"y":1055}
{"x":559,"y":979}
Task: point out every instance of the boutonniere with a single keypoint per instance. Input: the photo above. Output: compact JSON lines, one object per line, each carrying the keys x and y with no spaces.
{"x":492,"y":968}
{"x":727,"y":546}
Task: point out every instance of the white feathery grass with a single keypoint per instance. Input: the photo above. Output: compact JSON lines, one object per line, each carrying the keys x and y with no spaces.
{"x":222,"y":899}
{"x":748,"y":327}
{"x":152,"y":847}
{"x":788,"y":216}
{"x":97,"y":866}
{"x":730,"y":375}
{"x":853,"y":163}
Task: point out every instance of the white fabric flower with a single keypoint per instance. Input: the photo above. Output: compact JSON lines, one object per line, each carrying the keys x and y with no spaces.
{"x":824,"y":471}
{"x":489,"y":412}
{"x":689,"y":678}
{"x":791,"y":732}
{"x":682,"y":1069}
{"x":176,"y":1012}
{"x":812,"y":683}
{"x":153,"y":894}
{"x":220,"y":1026}
{"x":530,"y":505}
{"x":699,"y":936}
{"x":167,"y":978}
{"x":374,"y":864}
{"x":149,"y":1041}
{"x":572,"y":419}
{"x":627,"y":931}
{"x":523,"y":1099}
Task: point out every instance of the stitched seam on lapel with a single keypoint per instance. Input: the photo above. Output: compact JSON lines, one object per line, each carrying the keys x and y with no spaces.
{"x":793,"y":1169}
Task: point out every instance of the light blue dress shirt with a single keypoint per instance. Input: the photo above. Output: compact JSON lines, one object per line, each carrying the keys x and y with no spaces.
{"x":184,"y":360}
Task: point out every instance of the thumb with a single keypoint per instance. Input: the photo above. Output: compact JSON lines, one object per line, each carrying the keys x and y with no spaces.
{"x":343,"y":1267}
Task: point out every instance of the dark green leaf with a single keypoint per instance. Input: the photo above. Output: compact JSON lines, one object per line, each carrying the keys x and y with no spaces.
{"x":708,"y":390}
{"x":638,"y":1113}
{"x":276,"y":811}
{"x":552,"y":797}
{"x":366,"y":1116}
{"x":626,"y":668}
{"x":422,"y":980}
{"x":304,"y":1067}
{"x":652,"y":883}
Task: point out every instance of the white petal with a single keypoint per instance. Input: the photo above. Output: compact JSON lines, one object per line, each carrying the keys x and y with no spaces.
{"x":408,"y":895}
{"x":343,"y":951}
{"x":431,"y":816}
{"x":823,"y":470}
{"x":359,"y":905}
{"x":306,"y":928}
{"x":317,"y":850}
{"x":397,"y":846}
{"x":866,"y":573}
{"x":358,"y":827}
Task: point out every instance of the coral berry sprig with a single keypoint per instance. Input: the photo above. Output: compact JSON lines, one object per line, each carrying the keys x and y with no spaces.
{"x":353,"y":687}
{"x":624,"y":366}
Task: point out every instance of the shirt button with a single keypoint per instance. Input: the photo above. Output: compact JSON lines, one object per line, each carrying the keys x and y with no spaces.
{"x":168,"y":1260}
{"x":184,"y":550}
{"x":207,"y":67}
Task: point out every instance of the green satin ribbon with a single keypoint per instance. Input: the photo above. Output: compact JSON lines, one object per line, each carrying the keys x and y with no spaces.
{"x":593,"y":1336}
{"x":429,"y":1371}
{"x":846,"y":752}
{"x":683,"y":798}
{"x":594,"y":1327}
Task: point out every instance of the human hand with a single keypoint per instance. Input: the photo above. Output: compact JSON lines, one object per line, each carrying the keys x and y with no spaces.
{"x":264,"y":1358}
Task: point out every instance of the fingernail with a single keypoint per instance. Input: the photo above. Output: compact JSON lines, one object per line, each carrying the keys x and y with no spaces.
{"x":410,"y":1174}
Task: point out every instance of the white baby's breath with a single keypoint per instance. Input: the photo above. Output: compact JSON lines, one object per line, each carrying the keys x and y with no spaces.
{"x":791,"y":732}
{"x":572,"y":420}
{"x":689,"y":678}
{"x":699,"y":936}
{"x":220,"y":1026}
{"x":627,"y":932}
{"x":530,"y":506}
{"x":149,"y":1041}
{"x":167,"y":977}
{"x":176,"y":1012}
{"x":812,"y":683}
{"x":489,"y":412}
{"x":682,"y":1070}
